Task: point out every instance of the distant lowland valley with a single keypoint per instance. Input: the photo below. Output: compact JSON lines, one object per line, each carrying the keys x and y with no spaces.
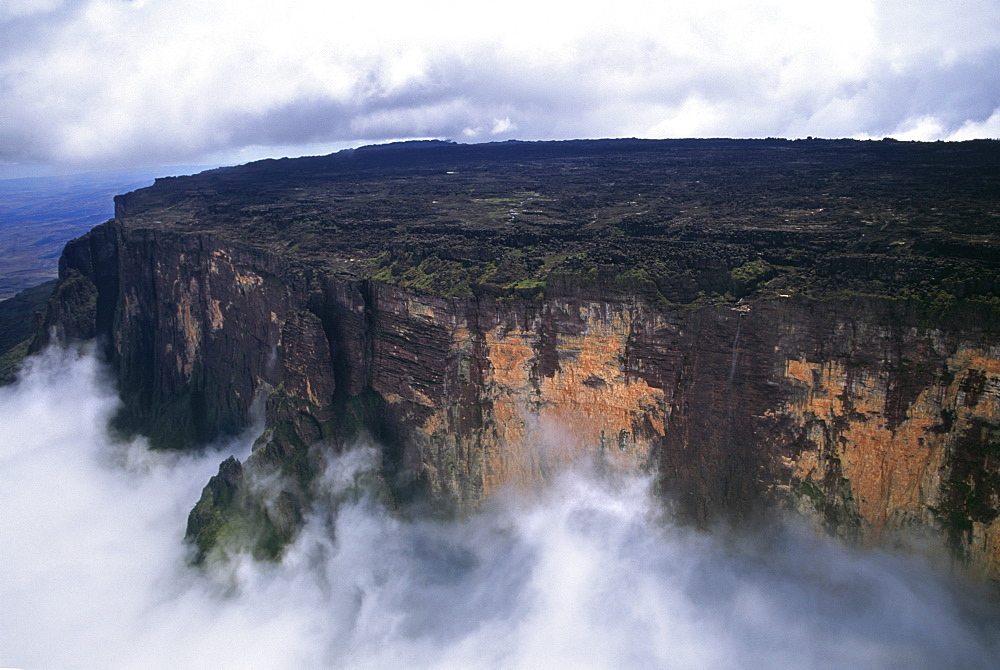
{"x":39,"y":215}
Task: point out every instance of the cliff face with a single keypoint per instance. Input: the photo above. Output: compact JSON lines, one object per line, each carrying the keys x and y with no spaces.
{"x":875,"y":416}
{"x":844,"y":411}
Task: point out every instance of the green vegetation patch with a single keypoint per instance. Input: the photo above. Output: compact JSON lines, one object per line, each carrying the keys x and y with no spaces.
{"x":435,"y":275}
{"x":747,"y":277}
{"x":18,"y":326}
{"x":10,"y":361}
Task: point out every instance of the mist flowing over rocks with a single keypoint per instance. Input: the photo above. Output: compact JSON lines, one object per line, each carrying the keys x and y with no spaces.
{"x":589,"y":572}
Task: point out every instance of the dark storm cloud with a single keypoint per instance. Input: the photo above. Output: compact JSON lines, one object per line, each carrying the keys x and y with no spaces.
{"x":112,"y":81}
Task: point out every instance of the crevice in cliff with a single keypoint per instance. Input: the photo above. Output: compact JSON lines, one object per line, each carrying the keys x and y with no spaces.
{"x":736,"y":348}
{"x":349,"y":316}
{"x":971,"y":490}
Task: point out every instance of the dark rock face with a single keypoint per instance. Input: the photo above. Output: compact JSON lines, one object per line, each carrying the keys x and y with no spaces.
{"x":839,"y":386}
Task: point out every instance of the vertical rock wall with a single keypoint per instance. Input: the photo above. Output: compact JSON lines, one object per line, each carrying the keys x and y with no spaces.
{"x":863,"y":415}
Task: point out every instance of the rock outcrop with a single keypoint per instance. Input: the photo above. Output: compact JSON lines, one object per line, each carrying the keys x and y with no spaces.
{"x":845,"y":366}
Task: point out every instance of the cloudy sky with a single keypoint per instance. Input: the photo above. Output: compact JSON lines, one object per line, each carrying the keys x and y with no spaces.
{"x":123,"y":83}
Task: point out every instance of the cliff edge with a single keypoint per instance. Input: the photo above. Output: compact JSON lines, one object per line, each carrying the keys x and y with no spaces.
{"x":810,"y":326}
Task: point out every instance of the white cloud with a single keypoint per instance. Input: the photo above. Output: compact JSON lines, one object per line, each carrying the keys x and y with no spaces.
{"x":589,"y":572}
{"x":919,"y":129}
{"x":695,"y":117}
{"x":978,"y":129}
{"x":126,"y":82}
{"x":501,"y":126}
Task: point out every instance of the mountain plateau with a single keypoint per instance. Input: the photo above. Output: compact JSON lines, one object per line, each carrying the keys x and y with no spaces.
{"x":809,"y":326}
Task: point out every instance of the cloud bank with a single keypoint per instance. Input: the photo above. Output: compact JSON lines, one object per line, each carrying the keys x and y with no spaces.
{"x":589,"y":573}
{"x":149,"y":81}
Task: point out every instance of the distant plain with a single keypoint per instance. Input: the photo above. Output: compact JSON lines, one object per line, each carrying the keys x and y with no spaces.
{"x":38,"y":215}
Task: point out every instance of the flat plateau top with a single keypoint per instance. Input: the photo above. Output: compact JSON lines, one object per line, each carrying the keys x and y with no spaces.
{"x":680,"y":221}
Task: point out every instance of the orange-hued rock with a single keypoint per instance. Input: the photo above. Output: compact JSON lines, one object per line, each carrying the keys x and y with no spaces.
{"x":811,"y":326}
{"x":895,"y":473}
{"x":733,"y":407}
{"x":530,"y":424}
{"x":892,"y":473}
{"x":854,"y":413}
{"x":586,"y":406}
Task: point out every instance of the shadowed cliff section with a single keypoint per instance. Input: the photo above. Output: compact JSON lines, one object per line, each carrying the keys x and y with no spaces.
{"x":807,"y":325}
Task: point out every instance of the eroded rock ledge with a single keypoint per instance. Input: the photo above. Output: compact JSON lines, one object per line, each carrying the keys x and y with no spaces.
{"x":808,"y":326}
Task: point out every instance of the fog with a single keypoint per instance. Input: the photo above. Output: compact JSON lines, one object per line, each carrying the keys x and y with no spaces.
{"x":589,"y":572}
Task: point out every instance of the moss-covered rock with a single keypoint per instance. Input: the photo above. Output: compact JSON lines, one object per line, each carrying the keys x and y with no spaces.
{"x":20,"y":317}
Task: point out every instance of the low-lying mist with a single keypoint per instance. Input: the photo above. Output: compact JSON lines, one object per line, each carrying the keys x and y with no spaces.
{"x":590,"y":572}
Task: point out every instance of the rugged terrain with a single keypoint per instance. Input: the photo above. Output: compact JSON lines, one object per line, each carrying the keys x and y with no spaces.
{"x":810,"y":326}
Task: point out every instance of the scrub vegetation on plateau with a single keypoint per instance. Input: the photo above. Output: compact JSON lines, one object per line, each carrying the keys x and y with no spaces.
{"x":681,"y":222}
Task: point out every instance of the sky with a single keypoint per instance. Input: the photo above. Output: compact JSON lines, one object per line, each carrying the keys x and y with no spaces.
{"x":96,"y":84}
{"x":589,"y":571}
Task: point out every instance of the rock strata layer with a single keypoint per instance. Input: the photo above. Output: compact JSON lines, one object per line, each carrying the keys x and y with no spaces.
{"x":765,"y":324}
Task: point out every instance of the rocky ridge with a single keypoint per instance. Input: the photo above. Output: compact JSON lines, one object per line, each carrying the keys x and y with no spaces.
{"x":809,"y":326}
